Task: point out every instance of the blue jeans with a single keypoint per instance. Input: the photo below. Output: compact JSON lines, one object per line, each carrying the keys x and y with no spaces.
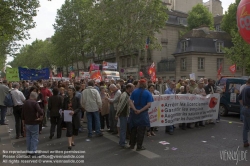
{"x":32,"y":133}
{"x":246,"y":120}
{"x":169,"y":128}
{"x":97,"y":122}
{"x":123,"y":130}
{"x":241,"y":113}
{"x":3,"y":113}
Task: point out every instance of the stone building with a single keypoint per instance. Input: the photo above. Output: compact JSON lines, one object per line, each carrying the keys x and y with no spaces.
{"x":200,"y":51}
{"x":215,"y":7}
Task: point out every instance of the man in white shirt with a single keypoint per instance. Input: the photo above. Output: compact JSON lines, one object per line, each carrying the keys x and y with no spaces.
{"x":18,"y":99}
{"x":92,"y":103}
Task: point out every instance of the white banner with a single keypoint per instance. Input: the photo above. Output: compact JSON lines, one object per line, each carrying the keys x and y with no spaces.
{"x":108,"y":66}
{"x":84,"y":74}
{"x":183,"y":108}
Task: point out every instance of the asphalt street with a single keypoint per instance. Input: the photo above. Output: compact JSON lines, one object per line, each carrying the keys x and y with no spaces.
{"x":204,"y":146}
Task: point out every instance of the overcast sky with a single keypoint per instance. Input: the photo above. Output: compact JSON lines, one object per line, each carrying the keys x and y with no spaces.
{"x":46,"y":17}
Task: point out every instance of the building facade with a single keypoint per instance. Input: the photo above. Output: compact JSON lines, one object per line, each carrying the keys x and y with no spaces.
{"x":215,"y":7}
{"x":200,"y":51}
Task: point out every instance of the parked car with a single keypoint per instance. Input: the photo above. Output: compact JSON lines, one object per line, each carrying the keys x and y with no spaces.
{"x":229,"y":99}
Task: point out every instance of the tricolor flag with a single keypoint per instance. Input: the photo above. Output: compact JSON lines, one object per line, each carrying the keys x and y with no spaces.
{"x":147,"y":43}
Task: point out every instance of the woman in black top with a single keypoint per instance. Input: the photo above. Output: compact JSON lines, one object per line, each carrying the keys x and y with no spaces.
{"x":72,"y":103}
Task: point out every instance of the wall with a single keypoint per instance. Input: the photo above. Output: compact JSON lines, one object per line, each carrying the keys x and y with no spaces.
{"x":215,"y":7}
{"x":210,"y":66}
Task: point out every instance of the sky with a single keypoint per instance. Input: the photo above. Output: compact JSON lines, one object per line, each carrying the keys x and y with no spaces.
{"x":46,"y":18}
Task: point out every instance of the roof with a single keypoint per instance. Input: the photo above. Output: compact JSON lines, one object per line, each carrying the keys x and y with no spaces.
{"x":177,"y":18}
{"x":203,"y":40}
{"x":177,"y":13}
{"x":204,"y":33}
{"x":218,"y":19}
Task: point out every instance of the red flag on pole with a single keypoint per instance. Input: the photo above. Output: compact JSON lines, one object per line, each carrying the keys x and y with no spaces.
{"x":219,"y":71}
{"x":232,"y":68}
{"x":91,"y":67}
{"x":59,"y":74}
{"x":152,"y":72}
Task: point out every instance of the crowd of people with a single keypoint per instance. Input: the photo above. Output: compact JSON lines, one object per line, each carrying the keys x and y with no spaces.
{"x":119,"y":106}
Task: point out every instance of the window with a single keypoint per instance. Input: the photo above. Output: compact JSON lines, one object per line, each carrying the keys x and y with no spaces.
{"x":183,"y":64}
{"x":219,"y":62}
{"x":134,"y":61}
{"x":171,"y":78}
{"x":123,"y":62}
{"x":166,"y":65}
{"x":184,"y":45}
{"x":201,"y":63}
{"x":128,"y":62}
{"x":183,"y":77}
{"x":217,"y":27}
{"x":219,"y":46}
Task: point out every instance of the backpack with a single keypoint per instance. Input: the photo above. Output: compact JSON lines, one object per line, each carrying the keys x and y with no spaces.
{"x":8,"y":102}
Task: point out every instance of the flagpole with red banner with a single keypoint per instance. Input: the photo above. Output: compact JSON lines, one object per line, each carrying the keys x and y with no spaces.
{"x":232,"y":69}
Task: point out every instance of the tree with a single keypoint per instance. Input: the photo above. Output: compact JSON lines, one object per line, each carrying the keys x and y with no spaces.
{"x":38,"y":53}
{"x":122,"y":27}
{"x":239,"y":54}
{"x":71,"y":26}
{"x":200,"y":16}
{"x":16,"y":20}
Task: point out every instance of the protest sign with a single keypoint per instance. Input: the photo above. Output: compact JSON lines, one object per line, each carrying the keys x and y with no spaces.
{"x":183,"y":108}
{"x":12,"y":74}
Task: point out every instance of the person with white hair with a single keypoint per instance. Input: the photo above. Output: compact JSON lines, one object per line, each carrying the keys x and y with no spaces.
{"x":113,"y":100}
{"x":32,"y":115}
{"x":18,"y":100}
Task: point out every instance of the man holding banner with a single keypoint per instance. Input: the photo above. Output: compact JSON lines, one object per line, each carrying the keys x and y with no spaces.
{"x":170,"y":90}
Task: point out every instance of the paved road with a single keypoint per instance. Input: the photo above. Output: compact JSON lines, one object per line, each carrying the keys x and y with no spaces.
{"x":194,"y":147}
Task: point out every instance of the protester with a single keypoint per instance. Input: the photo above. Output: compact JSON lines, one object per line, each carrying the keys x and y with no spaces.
{"x":199,"y":91}
{"x":72,"y":103}
{"x":4,"y":90}
{"x":210,"y":90}
{"x":140,"y":102}
{"x":113,"y":100}
{"x":123,"y":112}
{"x":46,"y":94}
{"x":160,"y":86}
{"x":150,"y":131}
{"x":244,"y":99}
{"x":170,"y":90}
{"x":55,"y":104}
{"x":32,"y":114}
{"x":104,"y":114}
{"x":92,"y":103}
{"x":18,"y":100}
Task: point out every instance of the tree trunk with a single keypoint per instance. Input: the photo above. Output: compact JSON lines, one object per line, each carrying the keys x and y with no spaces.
{"x":117,"y":58}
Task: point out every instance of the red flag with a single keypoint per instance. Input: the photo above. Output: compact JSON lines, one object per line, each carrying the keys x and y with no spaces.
{"x":96,"y":75}
{"x":219,"y":71}
{"x":91,"y":67}
{"x":232,"y":69}
{"x":59,"y":74}
{"x":152,"y":72}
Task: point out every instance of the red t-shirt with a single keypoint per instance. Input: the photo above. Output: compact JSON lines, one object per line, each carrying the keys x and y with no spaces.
{"x":46,"y":93}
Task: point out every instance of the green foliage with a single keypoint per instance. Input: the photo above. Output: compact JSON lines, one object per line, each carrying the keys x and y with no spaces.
{"x":200,"y":16}
{"x":35,"y":55}
{"x":16,"y":20}
{"x":240,"y":52}
{"x":123,"y":26}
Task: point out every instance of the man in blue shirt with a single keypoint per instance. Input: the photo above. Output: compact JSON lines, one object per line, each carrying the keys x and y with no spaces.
{"x":244,"y":99}
{"x":170,"y":90}
{"x":140,"y":102}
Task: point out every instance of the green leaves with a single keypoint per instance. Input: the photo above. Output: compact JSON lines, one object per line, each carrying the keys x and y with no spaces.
{"x":16,"y":20}
{"x":240,"y":52}
{"x":200,"y":16}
